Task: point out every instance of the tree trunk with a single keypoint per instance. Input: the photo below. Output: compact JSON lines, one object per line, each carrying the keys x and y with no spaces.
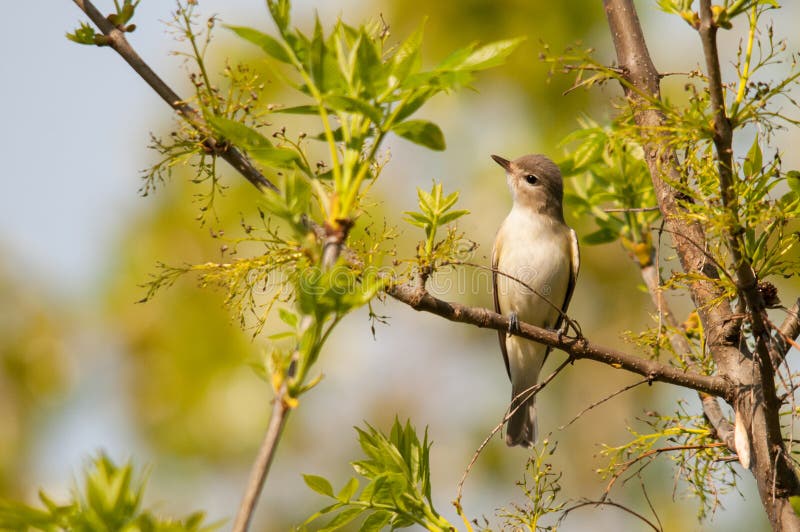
{"x":756,"y":401}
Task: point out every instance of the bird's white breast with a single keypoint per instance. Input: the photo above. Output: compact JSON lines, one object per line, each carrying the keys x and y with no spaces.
{"x":536,"y":250}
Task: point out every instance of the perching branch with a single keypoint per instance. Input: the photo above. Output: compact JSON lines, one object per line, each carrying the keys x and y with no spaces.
{"x":117,"y":41}
{"x":419,"y":299}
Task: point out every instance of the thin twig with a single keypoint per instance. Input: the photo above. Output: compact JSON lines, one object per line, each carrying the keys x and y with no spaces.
{"x":528,"y":393}
{"x":601,"y":401}
{"x":607,"y":503}
{"x":651,"y":454}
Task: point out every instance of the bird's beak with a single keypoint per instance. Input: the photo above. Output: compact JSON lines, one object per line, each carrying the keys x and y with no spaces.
{"x":505,"y":163}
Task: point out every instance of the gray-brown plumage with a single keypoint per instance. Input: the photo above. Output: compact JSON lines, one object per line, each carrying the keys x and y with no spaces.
{"x":535,"y":263}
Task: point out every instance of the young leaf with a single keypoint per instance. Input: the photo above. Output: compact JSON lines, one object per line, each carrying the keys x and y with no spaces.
{"x":407,"y":58}
{"x":793,"y":180}
{"x":601,"y":236}
{"x":275,"y":157}
{"x":254,"y":143}
{"x":85,"y":34}
{"x":349,"y":104}
{"x":267,"y":43}
{"x":753,"y":161}
{"x":376,"y":522}
{"x":319,"y":484}
{"x":341,"y":519}
{"x":451,"y":216}
{"x":421,"y":132}
{"x":490,"y":55}
{"x":348,"y":490}
{"x":238,"y":133}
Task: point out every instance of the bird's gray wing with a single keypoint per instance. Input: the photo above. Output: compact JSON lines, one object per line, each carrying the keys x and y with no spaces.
{"x":575,"y":266}
{"x":500,"y":334}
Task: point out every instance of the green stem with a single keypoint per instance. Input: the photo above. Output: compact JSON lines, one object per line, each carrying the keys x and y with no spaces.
{"x":352,"y":190}
{"x":198,"y":57}
{"x":744,"y":78}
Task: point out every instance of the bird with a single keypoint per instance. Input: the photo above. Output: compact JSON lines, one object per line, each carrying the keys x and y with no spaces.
{"x":535,"y":263}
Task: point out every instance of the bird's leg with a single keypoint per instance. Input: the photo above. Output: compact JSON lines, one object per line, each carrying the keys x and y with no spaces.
{"x":562,"y":330}
{"x":513,"y":324}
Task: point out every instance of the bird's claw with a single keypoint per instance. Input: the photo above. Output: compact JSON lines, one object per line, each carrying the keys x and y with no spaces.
{"x":513,"y":324}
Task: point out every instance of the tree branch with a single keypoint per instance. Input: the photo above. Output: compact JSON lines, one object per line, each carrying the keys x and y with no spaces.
{"x":117,"y":41}
{"x":417,"y":298}
{"x":790,"y":328}
{"x":260,"y":468}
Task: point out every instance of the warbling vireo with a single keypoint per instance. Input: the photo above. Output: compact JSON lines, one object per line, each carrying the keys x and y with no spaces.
{"x":535,"y":263}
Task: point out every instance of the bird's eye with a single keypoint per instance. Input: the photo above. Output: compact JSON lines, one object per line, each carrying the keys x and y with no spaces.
{"x":531,"y":179}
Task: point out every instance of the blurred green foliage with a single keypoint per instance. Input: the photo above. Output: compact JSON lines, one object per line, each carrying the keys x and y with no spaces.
{"x":35,"y":370}
{"x":109,"y":499}
{"x":186,"y":371}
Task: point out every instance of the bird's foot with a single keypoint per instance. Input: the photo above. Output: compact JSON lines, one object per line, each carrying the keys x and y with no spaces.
{"x":513,"y":324}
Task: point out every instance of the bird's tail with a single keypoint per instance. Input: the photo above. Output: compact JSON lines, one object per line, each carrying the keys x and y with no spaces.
{"x":522,"y":427}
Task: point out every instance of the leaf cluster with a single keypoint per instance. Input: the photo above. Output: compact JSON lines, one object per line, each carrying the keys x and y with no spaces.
{"x":397,"y":492}
{"x":609,"y":172}
{"x":435,"y":211}
{"x":85,"y":34}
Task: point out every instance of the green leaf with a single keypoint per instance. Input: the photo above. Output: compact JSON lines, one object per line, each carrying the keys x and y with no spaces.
{"x":288,"y":317}
{"x":414,"y":102}
{"x":238,"y":133}
{"x":795,"y":502}
{"x":421,"y":132}
{"x":602,"y":236}
{"x":415,"y":218}
{"x":753,"y":161}
{"x":368,"y":66}
{"x":793,"y":180}
{"x":319,"y":484}
{"x":352,"y":105}
{"x":376,"y":521}
{"x":279,"y":9}
{"x":254,"y":143}
{"x":85,"y":34}
{"x":344,"y":517}
{"x":451,"y":216}
{"x":490,"y":55}
{"x":298,"y":110}
{"x":348,"y":490}
{"x":275,"y":157}
{"x":407,"y":58}
{"x":590,"y":150}
{"x":267,"y":43}
{"x":457,"y":58}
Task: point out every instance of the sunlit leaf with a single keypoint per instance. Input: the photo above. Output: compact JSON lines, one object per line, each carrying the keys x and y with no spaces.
{"x":421,"y":132}
{"x":319,"y":484}
{"x":267,"y":43}
{"x":490,"y":55}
